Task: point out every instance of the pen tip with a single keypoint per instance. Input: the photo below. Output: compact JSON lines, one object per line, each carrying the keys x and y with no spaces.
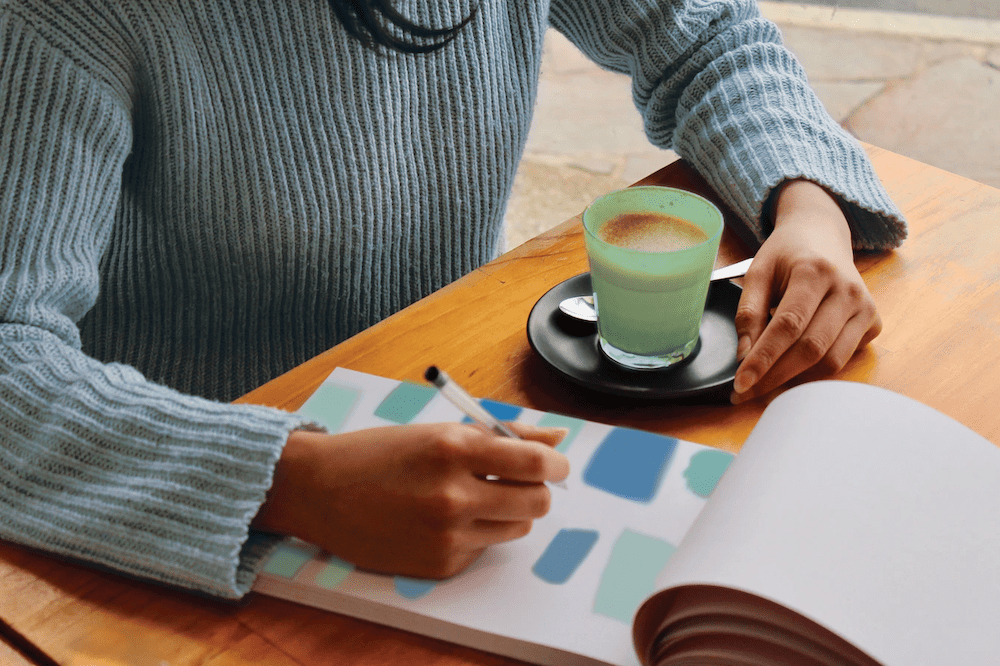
{"x":431,"y":374}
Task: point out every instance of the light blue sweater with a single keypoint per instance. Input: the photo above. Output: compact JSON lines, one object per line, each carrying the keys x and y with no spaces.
{"x":196,"y":196}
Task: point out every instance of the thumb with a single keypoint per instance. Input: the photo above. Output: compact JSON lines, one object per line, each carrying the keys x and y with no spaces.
{"x":549,"y":436}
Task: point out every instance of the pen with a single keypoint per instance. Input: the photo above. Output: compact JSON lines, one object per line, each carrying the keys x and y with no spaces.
{"x":457,"y":395}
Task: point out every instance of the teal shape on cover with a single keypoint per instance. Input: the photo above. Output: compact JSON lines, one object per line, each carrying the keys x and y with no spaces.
{"x":287,"y":559}
{"x":413,"y":588}
{"x":705,"y":470}
{"x":405,"y":402}
{"x":501,"y":410}
{"x":330,"y":405}
{"x":560,"y":421}
{"x":334,"y":573}
{"x":630,"y":575}
{"x":564,"y":554}
{"x":630,"y":463}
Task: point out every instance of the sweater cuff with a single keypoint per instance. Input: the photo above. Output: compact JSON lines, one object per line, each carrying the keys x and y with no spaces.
{"x":781,"y":132}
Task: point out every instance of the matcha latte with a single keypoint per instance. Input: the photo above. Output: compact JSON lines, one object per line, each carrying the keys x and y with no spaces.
{"x":651,"y":252}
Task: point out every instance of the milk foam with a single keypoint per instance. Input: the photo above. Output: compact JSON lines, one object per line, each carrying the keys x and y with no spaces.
{"x":651,"y":232}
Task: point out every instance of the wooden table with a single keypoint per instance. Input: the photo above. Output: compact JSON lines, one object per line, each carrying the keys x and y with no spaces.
{"x":939,"y":297}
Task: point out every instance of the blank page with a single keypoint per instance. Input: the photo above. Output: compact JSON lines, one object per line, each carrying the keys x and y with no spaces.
{"x":866,"y":512}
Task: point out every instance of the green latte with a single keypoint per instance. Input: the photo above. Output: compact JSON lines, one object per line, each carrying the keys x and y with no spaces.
{"x":650,"y":303}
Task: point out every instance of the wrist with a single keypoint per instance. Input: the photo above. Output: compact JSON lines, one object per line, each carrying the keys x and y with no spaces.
{"x":281,"y":511}
{"x":804,"y":203}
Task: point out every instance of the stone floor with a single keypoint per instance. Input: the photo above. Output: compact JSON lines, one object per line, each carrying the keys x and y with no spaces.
{"x":922,"y":87}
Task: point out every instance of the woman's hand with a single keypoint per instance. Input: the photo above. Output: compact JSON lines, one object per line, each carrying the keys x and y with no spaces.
{"x":412,"y":500}
{"x":822,"y":310}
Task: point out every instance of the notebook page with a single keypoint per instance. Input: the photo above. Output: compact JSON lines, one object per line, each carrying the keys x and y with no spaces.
{"x":867,"y":512}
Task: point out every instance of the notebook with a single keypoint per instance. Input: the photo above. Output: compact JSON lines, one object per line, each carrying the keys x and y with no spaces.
{"x":855,"y":527}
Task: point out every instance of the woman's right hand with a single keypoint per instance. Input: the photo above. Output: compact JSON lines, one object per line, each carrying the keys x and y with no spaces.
{"x":412,"y":500}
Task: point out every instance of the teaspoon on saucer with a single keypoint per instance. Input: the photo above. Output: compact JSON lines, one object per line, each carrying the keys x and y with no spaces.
{"x":582,"y":307}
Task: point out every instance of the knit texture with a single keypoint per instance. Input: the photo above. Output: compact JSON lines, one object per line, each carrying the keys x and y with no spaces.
{"x":197,"y":196}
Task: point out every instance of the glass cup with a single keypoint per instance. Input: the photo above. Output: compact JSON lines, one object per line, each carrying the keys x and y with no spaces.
{"x":650,"y":303}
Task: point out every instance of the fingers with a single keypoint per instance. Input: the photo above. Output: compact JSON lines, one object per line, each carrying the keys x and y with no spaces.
{"x":454,"y":552}
{"x":549,"y":436}
{"x":517,"y":469}
{"x":519,"y":460}
{"x":828,"y":342}
{"x":505,"y":502}
{"x":487,"y":532}
{"x":794,"y":314}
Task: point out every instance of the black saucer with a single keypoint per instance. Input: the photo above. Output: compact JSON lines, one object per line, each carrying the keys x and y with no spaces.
{"x":570,"y":347}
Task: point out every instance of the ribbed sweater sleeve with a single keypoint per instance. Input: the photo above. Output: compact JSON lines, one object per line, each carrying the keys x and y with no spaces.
{"x":713,"y":81}
{"x":97,"y":462}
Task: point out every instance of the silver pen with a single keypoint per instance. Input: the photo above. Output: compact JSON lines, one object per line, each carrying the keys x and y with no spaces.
{"x":457,"y":395}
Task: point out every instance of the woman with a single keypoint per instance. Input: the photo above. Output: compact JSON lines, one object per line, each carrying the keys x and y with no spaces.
{"x":197,"y":196}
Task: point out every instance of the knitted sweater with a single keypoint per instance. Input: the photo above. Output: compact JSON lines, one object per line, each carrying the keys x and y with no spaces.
{"x":197,"y":196}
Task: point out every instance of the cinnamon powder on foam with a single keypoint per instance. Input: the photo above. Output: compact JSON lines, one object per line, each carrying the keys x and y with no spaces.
{"x":651,"y":232}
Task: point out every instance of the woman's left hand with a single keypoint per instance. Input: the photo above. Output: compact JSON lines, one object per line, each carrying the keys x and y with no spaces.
{"x":822,"y":309}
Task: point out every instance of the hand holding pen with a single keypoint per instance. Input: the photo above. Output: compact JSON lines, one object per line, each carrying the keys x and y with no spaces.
{"x":451,"y":390}
{"x":411,"y":500}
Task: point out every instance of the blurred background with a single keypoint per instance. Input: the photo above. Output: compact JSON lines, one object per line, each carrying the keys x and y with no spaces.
{"x":918,"y":77}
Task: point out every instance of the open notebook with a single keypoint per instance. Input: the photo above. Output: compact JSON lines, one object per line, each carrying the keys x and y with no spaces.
{"x":856,"y":526}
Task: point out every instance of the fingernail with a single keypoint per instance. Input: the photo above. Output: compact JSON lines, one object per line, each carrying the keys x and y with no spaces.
{"x":555,"y":433}
{"x":743,"y":348}
{"x":744,"y":381}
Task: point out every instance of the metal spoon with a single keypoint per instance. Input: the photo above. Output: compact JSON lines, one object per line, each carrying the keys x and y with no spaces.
{"x":582,"y":307}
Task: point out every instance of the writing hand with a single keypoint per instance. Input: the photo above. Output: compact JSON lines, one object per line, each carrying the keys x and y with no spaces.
{"x":412,"y":500}
{"x":822,"y":309}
